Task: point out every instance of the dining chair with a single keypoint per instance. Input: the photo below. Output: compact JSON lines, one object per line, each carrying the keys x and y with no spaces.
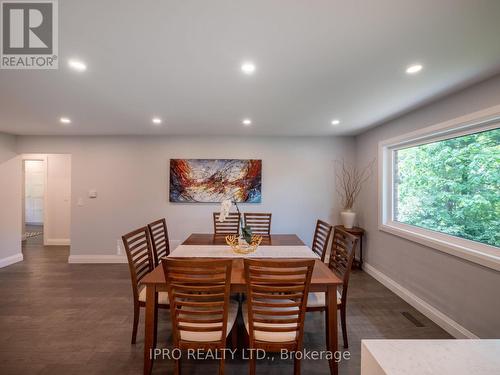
{"x":276,"y":305}
{"x":201,"y":310}
{"x":159,"y":239}
{"x":140,"y":262}
{"x":259,"y":222}
{"x":341,"y":258}
{"x":229,"y":226}
{"x":321,"y":237}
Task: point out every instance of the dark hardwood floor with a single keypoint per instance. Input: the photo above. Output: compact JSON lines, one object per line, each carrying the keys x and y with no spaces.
{"x":60,"y":318}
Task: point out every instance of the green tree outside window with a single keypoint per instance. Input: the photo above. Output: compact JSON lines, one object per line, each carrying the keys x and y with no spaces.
{"x":451,"y":186}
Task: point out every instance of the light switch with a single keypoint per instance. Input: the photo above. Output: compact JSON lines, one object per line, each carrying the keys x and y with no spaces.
{"x":92,"y":194}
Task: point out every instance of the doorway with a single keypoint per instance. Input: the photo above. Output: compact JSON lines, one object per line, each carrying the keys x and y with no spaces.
{"x":34,"y":200}
{"x":46,"y":210}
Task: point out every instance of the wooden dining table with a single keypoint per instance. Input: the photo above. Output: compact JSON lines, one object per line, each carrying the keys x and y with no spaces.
{"x":323,"y":280}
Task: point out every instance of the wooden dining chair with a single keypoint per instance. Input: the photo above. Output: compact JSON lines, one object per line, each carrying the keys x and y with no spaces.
{"x":341,"y":258}
{"x":202,"y":312}
{"x":140,"y":261}
{"x":229,"y":226}
{"x":259,"y":222}
{"x":321,"y":237}
{"x":159,"y":239}
{"x":276,"y":305}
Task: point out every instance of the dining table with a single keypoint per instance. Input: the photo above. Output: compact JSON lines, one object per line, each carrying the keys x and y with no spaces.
{"x":275,"y":246}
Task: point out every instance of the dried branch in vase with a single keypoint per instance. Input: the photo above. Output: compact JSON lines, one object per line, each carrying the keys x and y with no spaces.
{"x":349,"y":180}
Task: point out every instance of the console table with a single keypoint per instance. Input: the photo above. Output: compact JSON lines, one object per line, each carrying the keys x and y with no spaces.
{"x":358,"y":232}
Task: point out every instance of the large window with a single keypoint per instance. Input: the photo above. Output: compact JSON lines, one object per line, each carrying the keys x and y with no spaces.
{"x":440,"y":186}
{"x":451,"y":186}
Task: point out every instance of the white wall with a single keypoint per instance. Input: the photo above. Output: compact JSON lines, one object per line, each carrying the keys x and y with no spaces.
{"x":7,"y":147}
{"x":58,"y":207}
{"x":130,"y":175}
{"x":10,"y":201}
{"x":465,"y":292}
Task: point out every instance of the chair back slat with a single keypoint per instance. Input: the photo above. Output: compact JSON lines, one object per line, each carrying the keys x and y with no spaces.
{"x":159,"y":238}
{"x":229,"y":226}
{"x":342,"y":255}
{"x":259,"y":222}
{"x":321,"y":238}
{"x":139,"y":255}
{"x":199,"y":293}
{"x":277,"y":297}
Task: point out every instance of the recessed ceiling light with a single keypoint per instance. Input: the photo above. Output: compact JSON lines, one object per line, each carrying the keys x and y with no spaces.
{"x":247,"y":122}
{"x":65,"y":120}
{"x":248,"y":68}
{"x":414,"y":69}
{"x":156,"y":120}
{"x":77,"y":65}
{"x":335,"y":122}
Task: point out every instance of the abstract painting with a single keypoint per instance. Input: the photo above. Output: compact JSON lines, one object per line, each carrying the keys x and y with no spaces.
{"x":215,"y":180}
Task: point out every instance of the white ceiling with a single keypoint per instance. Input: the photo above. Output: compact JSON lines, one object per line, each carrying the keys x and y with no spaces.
{"x":316,"y":61}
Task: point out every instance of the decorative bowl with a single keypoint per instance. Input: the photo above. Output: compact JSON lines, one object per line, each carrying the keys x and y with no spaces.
{"x":240,"y":246}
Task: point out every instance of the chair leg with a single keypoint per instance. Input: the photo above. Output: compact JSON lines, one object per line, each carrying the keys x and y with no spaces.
{"x":221,"y":366}
{"x":252,"y":363}
{"x":137,"y":311}
{"x":344,"y":325}
{"x":296,"y":366}
{"x":177,"y":367}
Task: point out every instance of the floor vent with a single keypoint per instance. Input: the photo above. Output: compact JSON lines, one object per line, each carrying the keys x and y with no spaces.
{"x":411,"y":318}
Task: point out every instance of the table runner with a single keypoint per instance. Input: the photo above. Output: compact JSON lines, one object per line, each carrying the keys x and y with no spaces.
{"x":224,"y":251}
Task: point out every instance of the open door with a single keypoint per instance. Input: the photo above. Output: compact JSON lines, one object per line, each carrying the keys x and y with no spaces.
{"x":34,"y":197}
{"x":47,"y":199}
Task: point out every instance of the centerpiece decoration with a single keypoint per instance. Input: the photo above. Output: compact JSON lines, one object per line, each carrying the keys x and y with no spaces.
{"x":247,"y":242}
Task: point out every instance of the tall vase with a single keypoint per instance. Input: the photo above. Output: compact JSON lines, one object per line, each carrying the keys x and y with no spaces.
{"x":348,"y":217}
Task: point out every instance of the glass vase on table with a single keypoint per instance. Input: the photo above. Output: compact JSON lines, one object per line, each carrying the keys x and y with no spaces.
{"x":246,"y":242}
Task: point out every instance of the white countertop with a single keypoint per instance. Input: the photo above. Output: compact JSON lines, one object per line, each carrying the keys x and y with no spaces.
{"x":426,"y":357}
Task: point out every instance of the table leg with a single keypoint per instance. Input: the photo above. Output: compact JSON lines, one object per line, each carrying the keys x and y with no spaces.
{"x":150,"y":327}
{"x":361,"y":252}
{"x":331,"y":297}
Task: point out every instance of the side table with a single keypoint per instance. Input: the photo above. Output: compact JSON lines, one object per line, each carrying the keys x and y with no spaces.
{"x":358,"y":232}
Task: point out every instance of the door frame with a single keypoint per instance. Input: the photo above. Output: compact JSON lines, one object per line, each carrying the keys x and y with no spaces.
{"x":44,"y":158}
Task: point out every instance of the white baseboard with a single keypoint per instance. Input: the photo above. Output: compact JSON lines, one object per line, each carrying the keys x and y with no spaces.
{"x":4,"y":262}
{"x":442,"y":320}
{"x":57,"y":242}
{"x":99,"y":258}
{"x":96,"y":258}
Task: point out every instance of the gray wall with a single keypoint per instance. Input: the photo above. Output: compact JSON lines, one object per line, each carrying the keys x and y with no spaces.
{"x":130,"y":175}
{"x":7,"y":147}
{"x":10,"y":200}
{"x":466,"y":292}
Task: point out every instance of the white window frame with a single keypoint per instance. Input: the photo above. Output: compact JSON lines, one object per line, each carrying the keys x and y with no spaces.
{"x":473,"y":251}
